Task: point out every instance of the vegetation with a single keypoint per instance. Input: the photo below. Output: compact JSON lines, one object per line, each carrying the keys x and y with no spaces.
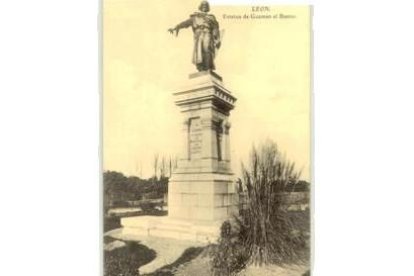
{"x":111,"y":223}
{"x":126,"y":260}
{"x":229,"y":256}
{"x":299,"y":186}
{"x":120,"y":190}
{"x":266,"y":231}
{"x":123,"y":191}
{"x":188,"y":255}
{"x":266,"y":228}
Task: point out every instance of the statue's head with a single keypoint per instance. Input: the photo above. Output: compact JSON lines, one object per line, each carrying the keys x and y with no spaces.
{"x":204,"y":6}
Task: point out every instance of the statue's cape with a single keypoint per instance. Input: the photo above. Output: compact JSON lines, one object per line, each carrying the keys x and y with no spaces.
{"x":207,"y":15}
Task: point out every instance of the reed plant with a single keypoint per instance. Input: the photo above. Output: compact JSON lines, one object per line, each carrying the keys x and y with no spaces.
{"x":266,"y":229}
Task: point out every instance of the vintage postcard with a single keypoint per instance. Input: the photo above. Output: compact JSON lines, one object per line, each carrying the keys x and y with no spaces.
{"x":206,"y":138}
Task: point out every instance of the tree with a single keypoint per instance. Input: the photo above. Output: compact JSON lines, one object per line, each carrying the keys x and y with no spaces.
{"x":113,"y":184}
{"x":156,"y":157}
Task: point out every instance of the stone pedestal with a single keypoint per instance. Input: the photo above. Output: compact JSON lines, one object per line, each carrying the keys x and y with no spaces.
{"x":202,"y":189}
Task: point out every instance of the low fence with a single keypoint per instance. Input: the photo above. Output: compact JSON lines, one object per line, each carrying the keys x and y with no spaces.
{"x":294,"y":201}
{"x":137,"y":207}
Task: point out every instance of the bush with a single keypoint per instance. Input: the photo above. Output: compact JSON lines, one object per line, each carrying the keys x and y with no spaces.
{"x":111,"y":223}
{"x":126,"y":260}
{"x":119,"y":189}
{"x":229,"y":256}
{"x":266,"y":229}
{"x":147,"y":207}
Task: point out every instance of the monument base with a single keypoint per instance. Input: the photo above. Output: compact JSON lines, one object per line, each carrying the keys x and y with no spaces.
{"x":201,"y":190}
{"x":167,"y":227}
{"x":201,"y":198}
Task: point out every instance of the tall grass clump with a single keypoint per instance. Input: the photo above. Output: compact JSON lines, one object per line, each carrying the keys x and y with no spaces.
{"x":265,"y":229}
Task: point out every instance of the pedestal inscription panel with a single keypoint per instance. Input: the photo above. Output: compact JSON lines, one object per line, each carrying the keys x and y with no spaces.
{"x":201,"y":189}
{"x":195,"y":139}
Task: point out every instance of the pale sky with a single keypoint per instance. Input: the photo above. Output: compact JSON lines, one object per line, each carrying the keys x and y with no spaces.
{"x":265,"y":63}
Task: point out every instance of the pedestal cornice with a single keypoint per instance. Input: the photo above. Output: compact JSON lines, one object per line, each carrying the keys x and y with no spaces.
{"x":205,"y":89}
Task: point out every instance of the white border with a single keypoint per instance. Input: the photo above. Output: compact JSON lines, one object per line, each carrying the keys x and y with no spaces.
{"x":363,"y":138}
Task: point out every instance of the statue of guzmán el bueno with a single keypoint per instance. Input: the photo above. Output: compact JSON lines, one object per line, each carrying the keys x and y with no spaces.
{"x":201,"y":190}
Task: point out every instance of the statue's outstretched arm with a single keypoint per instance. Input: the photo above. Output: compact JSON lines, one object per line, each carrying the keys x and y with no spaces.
{"x":185,"y":24}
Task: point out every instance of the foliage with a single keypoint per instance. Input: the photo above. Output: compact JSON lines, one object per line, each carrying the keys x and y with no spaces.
{"x":229,"y":256}
{"x":111,"y":223}
{"x":126,"y":260}
{"x":300,"y":186}
{"x":119,"y":189}
{"x":147,"y":206}
{"x":266,"y":229}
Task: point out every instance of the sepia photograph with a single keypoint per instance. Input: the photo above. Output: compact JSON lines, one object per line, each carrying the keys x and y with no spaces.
{"x":206,"y":138}
{"x":206,"y":113}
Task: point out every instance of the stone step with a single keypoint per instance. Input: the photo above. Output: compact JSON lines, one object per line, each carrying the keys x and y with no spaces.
{"x":170,"y":228}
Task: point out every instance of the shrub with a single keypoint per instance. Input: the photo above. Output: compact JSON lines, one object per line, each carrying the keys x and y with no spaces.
{"x":147,"y":207}
{"x":266,"y":229}
{"x":229,"y":256}
{"x":126,"y":260}
{"x":111,"y":223}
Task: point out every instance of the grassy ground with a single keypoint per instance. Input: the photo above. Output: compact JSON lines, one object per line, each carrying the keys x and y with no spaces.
{"x":171,"y":269}
{"x":200,"y":266}
{"x":194,"y":261}
{"x":126,"y":260}
{"x":111,"y":223}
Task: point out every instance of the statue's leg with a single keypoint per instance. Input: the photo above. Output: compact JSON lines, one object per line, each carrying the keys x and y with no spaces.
{"x":207,"y":52}
{"x":198,"y":50}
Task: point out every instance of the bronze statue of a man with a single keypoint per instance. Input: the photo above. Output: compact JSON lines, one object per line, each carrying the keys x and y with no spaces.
{"x":206,"y":36}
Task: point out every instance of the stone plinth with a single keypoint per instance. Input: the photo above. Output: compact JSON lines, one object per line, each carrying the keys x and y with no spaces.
{"x":166,"y":227}
{"x":202,"y":189}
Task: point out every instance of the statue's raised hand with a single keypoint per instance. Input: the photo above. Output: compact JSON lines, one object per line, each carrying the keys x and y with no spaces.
{"x":171,"y":30}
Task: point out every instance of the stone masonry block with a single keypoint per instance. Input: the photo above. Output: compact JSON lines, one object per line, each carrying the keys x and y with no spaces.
{"x":231,"y":187}
{"x":174,"y":199}
{"x":202,"y":187}
{"x":227,"y":199}
{"x":205,"y":200}
{"x":220,"y":213}
{"x":180,"y":212}
{"x":219,"y":200}
{"x":221,"y":187}
{"x":204,"y":213}
{"x":189,"y":200}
